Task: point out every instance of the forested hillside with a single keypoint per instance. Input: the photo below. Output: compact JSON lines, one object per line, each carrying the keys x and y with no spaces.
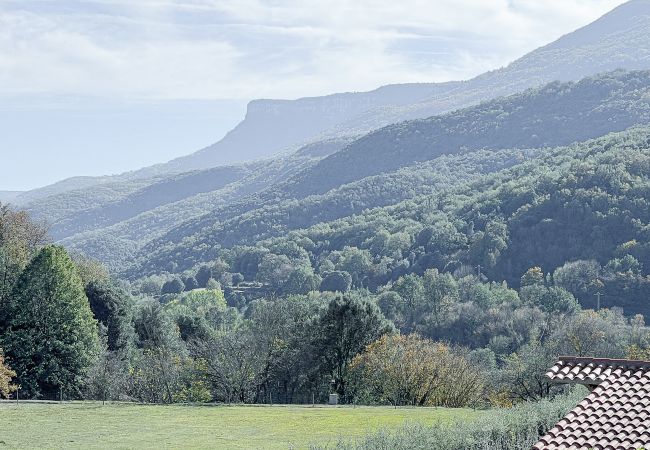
{"x":113,"y":220}
{"x":588,"y":202}
{"x":559,"y":113}
{"x":556,"y":114}
{"x":143,"y":195}
{"x":118,"y":241}
{"x":116,"y":244}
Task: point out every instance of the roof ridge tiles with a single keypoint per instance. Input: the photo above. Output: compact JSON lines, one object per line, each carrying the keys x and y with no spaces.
{"x":623,"y":363}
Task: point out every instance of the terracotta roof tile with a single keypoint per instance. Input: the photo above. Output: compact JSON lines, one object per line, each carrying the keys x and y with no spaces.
{"x":614,"y":416}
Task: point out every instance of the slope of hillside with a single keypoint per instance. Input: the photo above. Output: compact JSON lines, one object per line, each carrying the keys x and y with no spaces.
{"x":116,"y":243}
{"x":588,"y":202}
{"x":123,"y":205}
{"x":275,"y":219}
{"x":618,"y":40}
{"x":556,"y":114}
{"x":60,"y":187}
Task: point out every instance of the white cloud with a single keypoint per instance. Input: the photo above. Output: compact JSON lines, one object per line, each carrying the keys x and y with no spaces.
{"x":190,"y":49}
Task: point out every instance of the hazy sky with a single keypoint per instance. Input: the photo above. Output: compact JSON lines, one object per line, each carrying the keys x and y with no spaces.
{"x":91,"y":87}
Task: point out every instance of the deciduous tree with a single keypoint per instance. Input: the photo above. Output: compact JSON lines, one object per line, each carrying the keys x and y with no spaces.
{"x":349,"y":324}
{"x":6,"y":374}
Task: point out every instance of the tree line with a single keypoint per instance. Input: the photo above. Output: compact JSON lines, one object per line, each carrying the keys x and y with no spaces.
{"x":438,"y":339}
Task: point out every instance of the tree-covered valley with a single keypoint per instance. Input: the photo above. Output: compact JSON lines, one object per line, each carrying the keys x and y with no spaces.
{"x":386,"y":256}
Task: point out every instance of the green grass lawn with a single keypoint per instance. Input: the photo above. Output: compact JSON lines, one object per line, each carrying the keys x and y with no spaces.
{"x":90,"y":425}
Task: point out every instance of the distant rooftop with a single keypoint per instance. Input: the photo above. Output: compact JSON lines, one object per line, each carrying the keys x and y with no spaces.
{"x":614,"y":416}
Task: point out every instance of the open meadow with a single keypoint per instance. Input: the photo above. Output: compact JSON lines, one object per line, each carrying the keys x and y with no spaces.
{"x":91,"y":425}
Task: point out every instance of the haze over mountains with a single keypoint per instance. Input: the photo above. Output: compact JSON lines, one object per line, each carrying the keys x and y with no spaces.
{"x":554,"y":115}
{"x":620,"y":39}
{"x":292,"y":164}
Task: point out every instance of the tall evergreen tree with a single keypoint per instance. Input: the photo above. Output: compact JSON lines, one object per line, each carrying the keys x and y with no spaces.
{"x":51,"y":338}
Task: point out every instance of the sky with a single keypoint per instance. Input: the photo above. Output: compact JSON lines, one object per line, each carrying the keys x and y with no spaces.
{"x":98,"y":87}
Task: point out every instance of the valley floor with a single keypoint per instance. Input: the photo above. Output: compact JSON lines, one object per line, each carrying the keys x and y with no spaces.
{"x":91,"y":425}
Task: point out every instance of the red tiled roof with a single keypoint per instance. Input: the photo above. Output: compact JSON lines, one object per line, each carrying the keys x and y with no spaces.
{"x":614,"y":416}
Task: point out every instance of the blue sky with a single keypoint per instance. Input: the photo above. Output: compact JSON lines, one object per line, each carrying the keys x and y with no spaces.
{"x":103,"y":86}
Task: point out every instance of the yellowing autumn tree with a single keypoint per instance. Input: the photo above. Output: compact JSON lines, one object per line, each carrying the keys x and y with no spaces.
{"x":410,"y":370}
{"x":6,"y":374}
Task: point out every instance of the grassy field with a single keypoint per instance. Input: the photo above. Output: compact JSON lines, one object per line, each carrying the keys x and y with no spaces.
{"x":90,"y":425}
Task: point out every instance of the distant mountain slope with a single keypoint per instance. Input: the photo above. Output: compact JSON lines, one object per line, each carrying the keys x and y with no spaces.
{"x":118,"y":242}
{"x":67,"y":185}
{"x":101,"y":206}
{"x":618,"y":40}
{"x":271,"y":126}
{"x":589,"y":201}
{"x":150,"y":196}
{"x":9,"y":196}
{"x":61,"y":206}
{"x":557,"y":114}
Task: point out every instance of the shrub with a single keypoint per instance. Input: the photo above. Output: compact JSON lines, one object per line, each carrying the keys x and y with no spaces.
{"x":500,"y":429}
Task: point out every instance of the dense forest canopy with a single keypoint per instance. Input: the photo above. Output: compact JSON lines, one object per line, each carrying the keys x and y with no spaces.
{"x":559,"y":113}
{"x":587,"y":202}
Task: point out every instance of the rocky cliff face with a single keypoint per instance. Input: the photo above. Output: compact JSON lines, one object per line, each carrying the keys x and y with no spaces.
{"x":618,"y":40}
{"x":271,"y":126}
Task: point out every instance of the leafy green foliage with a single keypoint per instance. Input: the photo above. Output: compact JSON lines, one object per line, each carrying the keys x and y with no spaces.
{"x":51,"y":337}
{"x":350,"y":323}
{"x":20,"y":239}
{"x":173,"y":286}
{"x":409,"y":370}
{"x":336,"y":281}
{"x":112,"y":308}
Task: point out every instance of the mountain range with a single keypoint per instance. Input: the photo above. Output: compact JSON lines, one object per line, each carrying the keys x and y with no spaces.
{"x":618,"y":40}
{"x":295,"y":164}
{"x":343,"y":184}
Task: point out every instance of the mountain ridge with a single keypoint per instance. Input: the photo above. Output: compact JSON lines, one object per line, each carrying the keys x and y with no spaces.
{"x":557,"y":114}
{"x":548,"y":63}
{"x":620,"y":39}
